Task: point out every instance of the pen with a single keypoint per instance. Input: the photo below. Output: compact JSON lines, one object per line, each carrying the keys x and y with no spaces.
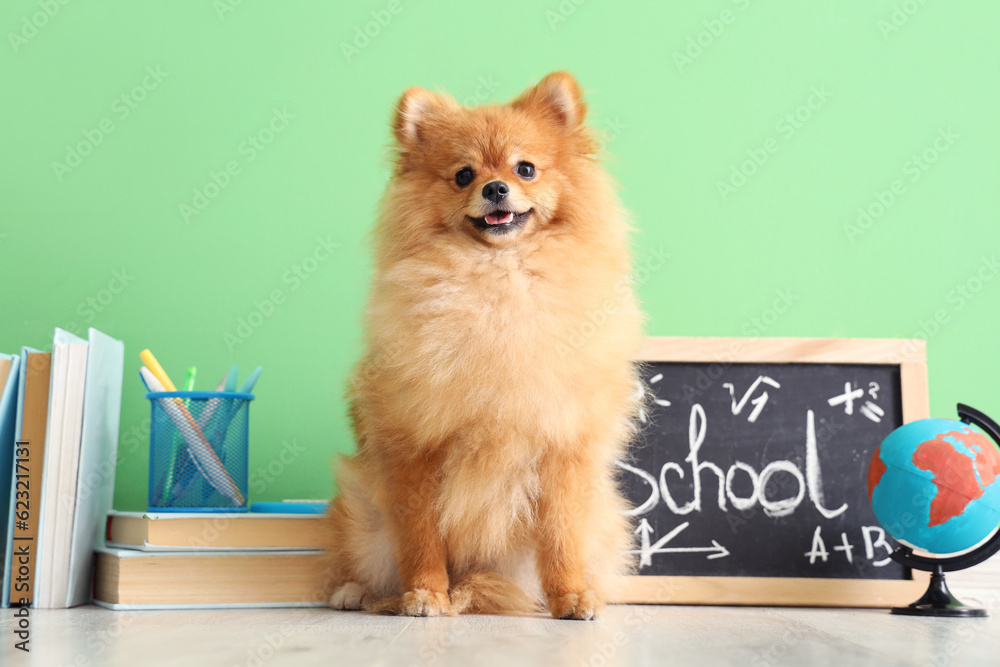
{"x":168,"y":485}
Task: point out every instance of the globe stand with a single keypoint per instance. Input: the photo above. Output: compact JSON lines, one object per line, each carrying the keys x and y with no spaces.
{"x":938,"y":600}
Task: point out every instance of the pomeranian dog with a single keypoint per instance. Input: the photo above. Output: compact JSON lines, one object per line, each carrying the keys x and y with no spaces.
{"x":498,"y":388}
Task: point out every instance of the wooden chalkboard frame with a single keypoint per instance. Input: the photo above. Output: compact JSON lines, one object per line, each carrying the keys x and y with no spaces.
{"x":910,"y":355}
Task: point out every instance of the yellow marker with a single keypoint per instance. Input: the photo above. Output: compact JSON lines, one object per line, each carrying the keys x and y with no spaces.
{"x":156,"y":369}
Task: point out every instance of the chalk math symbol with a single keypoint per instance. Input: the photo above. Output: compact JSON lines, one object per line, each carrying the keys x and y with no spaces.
{"x":869,"y":409}
{"x":758,"y":402}
{"x":872,"y":411}
{"x":646,"y":550}
{"x":847,"y":398}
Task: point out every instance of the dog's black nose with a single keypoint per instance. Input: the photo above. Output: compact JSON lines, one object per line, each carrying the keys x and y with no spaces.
{"x":495,"y":191}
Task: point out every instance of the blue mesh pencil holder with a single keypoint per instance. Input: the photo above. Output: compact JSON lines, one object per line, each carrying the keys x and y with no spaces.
{"x":198,"y":451}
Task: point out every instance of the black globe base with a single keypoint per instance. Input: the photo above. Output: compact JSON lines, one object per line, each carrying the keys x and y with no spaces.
{"x":938,"y":601}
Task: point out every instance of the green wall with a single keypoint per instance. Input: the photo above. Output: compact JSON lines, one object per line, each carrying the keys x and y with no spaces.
{"x":746,"y":136}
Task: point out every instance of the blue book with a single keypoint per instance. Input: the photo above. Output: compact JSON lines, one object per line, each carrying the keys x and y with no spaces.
{"x":8,"y":406}
{"x":95,"y":487}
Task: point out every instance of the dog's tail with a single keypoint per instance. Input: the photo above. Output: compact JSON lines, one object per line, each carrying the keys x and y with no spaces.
{"x":490,"y":593}
{"x":475,"y":593}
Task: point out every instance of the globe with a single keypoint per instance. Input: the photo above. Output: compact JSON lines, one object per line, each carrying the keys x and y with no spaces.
{"x":933,"y":486}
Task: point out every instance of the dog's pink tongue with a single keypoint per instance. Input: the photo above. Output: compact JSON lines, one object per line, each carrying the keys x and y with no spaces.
{"x":499,"y":218}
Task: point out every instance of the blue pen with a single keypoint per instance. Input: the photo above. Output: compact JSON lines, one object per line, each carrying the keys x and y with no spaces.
{"x":231,"y":407}
{"x":231,"y":378}
{"x":230,"y":410}
{"x":249,"y":383}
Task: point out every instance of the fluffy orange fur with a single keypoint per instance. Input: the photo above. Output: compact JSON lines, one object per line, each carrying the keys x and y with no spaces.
{"x":498,"y":387}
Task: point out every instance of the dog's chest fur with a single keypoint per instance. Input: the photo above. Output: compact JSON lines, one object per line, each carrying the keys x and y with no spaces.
{"x":478,"y":335}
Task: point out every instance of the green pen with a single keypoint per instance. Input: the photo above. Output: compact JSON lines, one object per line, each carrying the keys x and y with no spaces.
{"x":189,"y":381}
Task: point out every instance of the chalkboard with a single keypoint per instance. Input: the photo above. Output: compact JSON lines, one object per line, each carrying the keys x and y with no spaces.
{"x":747,"y":480}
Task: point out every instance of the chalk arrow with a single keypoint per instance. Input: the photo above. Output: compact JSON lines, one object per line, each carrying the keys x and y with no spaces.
{"x":646,"y":550}
{"x":721,"y":551}
{"x":645,"y":557}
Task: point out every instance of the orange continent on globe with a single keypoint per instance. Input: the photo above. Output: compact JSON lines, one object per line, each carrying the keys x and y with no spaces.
{"x":955,"y":472}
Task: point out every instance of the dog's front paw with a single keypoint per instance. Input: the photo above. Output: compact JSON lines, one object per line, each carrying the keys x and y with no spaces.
{"x":584,"y":606}
{"x":422,"y":602}
{"x":349,"y":596}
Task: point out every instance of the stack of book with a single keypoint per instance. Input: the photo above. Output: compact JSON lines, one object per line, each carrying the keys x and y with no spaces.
{"x":59,"y":419}
{"x":183,"y":561}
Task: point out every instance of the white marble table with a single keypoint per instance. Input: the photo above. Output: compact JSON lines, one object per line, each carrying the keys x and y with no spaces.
{"x":627,"y":635}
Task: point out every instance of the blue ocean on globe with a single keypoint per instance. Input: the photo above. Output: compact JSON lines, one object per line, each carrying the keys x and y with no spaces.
{"x":933,"y":486}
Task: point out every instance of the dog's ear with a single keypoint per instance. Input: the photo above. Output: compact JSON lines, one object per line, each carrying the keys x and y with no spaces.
{"x":413,"y":110}
{"x":558,"y":96}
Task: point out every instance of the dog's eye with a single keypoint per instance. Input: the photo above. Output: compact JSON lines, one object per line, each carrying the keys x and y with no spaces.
{"x":526,"y":170}
{"x":464,"y":177}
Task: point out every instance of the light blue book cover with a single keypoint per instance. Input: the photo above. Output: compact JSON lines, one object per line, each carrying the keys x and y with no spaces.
{"x":95,"y":488}
{"x":22,"y":372}
{"x":8,"y":406}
